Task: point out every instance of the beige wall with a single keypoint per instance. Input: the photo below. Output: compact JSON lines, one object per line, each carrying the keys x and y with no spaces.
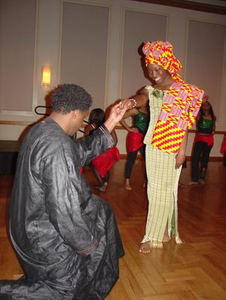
{"x":94,"y":43}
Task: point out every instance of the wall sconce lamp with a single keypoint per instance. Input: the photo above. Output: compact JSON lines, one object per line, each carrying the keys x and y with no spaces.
{"x":46,"y":76}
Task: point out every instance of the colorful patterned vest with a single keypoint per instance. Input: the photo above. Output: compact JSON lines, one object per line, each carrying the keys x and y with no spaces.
{"x":178,"y":113}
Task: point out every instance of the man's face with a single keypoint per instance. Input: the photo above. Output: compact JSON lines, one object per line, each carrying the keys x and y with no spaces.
{"x":157,"y":73}
{"x":78,"y":119}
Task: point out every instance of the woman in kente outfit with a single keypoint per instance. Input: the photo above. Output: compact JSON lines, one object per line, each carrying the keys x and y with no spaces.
{"x":135,"y":137}
{"x":203,"y":142}
{"x":174,"y":106}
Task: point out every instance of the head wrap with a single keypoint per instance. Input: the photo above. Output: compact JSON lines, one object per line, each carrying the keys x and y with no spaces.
{"x":161,"y":53}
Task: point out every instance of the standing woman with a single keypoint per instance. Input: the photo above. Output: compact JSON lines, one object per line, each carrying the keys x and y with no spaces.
{"x":174,"y":106}
{"x":203,"y":143}
{"x":135,"y":137}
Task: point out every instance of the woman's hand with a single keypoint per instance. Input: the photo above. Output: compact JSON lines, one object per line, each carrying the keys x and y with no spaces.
{"x":127,"y":103}
{"x":133,"y":129}
{"x":180,"y":159}
{"x":116,"y":114}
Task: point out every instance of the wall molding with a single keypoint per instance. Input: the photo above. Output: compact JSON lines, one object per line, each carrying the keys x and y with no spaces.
{"x":204,"y":7}
{"x":30,"y":123}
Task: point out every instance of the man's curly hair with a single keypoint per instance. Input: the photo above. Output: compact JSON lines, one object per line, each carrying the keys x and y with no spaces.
{"x":70,"y":97}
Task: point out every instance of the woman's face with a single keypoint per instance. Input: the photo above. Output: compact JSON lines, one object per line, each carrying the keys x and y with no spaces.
{"x":157,"y":73}
{"x":206,"y":106}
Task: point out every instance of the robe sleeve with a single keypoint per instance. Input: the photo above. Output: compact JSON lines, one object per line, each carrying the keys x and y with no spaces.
{"x":95,"y":144}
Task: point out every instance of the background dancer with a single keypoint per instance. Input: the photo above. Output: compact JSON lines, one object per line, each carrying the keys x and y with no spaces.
{"x":205,"y":124}
{"x":134,"y":139}
{"x":101,"y":164}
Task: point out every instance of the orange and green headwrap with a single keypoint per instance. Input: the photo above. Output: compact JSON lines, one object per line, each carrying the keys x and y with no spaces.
{"x":161,"y":53}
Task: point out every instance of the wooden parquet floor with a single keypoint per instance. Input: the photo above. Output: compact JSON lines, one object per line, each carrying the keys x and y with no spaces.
{"x":194,"y":270}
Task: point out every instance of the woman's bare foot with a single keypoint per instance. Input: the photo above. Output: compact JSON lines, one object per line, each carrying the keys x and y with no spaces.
{"x":193,"y":183}
{"x":182,"y":185}
{"x":127,"y":185}
{"x":201,"y":181}
{"x":145,"y":248}
{"x":103,"y":187}
{"x":166,"y":239}
{"x":178,"y":240}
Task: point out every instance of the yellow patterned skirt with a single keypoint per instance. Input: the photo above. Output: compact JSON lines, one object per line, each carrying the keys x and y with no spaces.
{"x":162,"y":191}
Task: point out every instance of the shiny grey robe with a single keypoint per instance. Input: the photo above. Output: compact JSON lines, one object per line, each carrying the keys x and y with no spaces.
{"x":66,"y":239}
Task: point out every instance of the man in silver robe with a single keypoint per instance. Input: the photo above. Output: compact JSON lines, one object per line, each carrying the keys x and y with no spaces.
{"x":66,"y":238}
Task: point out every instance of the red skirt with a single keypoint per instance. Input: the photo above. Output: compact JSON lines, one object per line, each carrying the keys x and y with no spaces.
{"x":223,"y":147}
{"x":134,"y":141}
{"x":204,"y":138}
{"x":106,"y":160}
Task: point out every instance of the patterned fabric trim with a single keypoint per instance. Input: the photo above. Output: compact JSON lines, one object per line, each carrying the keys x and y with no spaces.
{"x":179,"y":111}
{"x":167,"y":138}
